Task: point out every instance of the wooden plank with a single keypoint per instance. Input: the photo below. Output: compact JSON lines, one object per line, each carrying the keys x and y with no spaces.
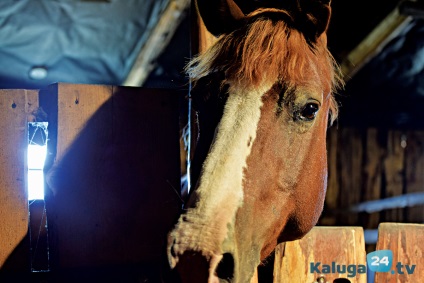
{"x":394,"y":173}
{"x":406,"y":243}
{"x":333,"y":189}
{"x":373,"y":168}
{"x":113,"y":189}
{"x":324,"y":245}
{"x":16,"y":107}
{"x":351,"y":162}
{"x":77,"y":103}
{"x":374,"y":43}
{"x":159,"y":38}
{"x":414,"y":163}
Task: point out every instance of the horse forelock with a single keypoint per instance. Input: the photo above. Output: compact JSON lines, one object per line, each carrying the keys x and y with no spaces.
{"x":265,"y":51}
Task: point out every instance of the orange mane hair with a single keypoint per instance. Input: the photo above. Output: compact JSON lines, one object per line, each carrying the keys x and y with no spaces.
{"x":267,"y":51}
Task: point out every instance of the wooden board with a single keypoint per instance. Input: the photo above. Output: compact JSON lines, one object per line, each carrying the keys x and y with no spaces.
{"x":374,"y":42}
{"x":114,"y":183}
{"x":394,"y":173}
{"x":373,"y":165}
{"x":158,"y":40}
{"x":16,"y":107}
{"x":324,"y":245}
{"x":372,"y":170}
{"x":407,"y":245}
{"x":414,"y":172}
{"x":351,"y":162}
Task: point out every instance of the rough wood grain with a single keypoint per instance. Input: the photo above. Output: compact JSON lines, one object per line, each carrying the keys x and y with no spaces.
{"x":394,"y":173}
{"x":407,"y":245}
{"x":342,"y":245}
{"x":414,"y":166}
{"x":373,"y":168}
{"x":351,"y":162}
{"x":16,"y":107}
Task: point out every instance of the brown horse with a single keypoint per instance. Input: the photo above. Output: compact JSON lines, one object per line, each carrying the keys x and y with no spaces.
{"x":264,"y":99}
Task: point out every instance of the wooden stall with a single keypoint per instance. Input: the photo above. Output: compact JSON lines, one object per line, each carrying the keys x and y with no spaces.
{"x":112,"y":181}
{"x":113,"y":190}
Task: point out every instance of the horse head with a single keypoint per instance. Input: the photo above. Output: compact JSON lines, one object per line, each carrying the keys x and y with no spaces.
{"x":264,"y":98}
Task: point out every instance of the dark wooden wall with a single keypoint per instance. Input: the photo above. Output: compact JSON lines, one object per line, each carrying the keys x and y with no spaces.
{"x":367,"y":164}
{"x":113,"y":182}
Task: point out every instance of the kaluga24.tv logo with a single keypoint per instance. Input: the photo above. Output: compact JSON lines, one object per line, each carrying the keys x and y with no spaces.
{"x":382,"y":261}
{"x":378,"y":261}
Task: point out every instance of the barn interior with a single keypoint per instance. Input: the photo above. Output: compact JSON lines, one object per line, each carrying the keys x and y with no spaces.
{"x":375,"y":147}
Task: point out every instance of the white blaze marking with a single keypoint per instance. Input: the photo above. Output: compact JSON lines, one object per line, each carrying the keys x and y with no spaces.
{"x":205,"y":226}
{"x":221,"y":183}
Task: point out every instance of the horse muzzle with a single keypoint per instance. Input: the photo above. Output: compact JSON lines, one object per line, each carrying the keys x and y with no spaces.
{"x":198,"y":254}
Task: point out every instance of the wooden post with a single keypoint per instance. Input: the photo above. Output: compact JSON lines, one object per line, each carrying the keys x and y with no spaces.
{"x":406,"y":243}
{"x":16,"y":107}
{"x":114,"y":177}
{"x":158,"y":39}
{"x":324,"y":245}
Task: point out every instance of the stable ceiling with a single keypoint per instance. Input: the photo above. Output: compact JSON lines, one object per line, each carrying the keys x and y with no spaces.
{"x":104,"y":42}
{"x":91,"y":42}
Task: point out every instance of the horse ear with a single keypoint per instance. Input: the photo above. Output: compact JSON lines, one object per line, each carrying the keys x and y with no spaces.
{"x":220,"y":16}
{"x":317,"y":13}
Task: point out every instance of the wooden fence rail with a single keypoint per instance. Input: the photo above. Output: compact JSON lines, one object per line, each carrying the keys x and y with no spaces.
{"x":337,"y":255}
{"x":306,"y":259}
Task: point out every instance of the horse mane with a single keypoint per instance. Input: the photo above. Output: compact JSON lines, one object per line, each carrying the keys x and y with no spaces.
{"x":266,"y":51}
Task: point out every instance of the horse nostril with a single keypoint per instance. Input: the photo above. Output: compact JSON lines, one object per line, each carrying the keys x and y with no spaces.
{"x":225,"y":268}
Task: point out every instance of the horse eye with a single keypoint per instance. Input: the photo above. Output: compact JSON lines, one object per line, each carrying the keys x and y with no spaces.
{"x":308,"y":112}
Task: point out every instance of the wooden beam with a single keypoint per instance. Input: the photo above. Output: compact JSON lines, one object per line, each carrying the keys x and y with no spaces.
{"x":16,"y":108}
{"x":376,"y":40}
{"x":159,"y":38}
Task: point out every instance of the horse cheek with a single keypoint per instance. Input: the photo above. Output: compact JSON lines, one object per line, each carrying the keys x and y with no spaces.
{"x":312,"y":187}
